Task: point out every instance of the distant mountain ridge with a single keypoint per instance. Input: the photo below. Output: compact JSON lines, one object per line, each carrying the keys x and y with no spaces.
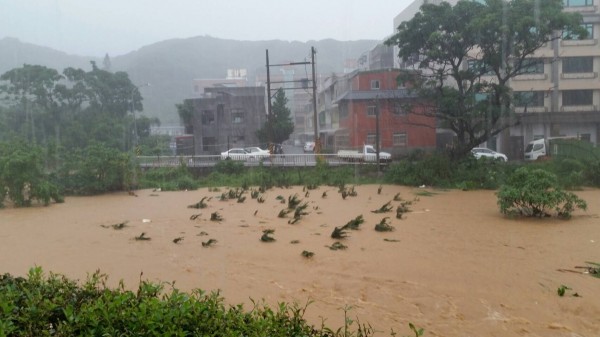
{"x":171,"y":65}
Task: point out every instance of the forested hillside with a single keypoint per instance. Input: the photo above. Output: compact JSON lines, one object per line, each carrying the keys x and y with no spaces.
{"x":171,"y":65}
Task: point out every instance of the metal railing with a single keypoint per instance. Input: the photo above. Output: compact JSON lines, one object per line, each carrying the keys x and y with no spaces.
{"x":292,"y":160}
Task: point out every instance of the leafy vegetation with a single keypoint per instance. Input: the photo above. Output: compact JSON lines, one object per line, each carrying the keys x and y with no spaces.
{"x":53,"y":305}
{"x":22,"y":176}
{"x":279,"y":124}
{"x":536,"y":193}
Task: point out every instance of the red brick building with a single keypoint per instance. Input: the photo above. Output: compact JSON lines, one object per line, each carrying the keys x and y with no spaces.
{"x":401,"y":127}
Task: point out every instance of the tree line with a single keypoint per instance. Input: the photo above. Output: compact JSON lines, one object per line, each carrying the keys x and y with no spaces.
{"x":71,"y":132}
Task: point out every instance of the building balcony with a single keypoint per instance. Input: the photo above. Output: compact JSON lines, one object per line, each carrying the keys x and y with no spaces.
{"x":569,"y":43}
{"x":531,"y":109}
{"x":531,"y":77}
{"x":578,"y":108}
{"x":573,"y":76}
{"x":581,"y":9}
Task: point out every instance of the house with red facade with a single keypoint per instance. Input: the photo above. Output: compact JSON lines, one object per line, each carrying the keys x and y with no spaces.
{"x":356,"y":103}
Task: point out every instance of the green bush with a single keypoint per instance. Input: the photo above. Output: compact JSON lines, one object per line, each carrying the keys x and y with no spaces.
{"x":22,"y":176}
{"x":439,"y":170}
{"x":56,"y":306}
{"x":536,"y":193}
{"x":169,"y":179}
{"x":97,"y":169}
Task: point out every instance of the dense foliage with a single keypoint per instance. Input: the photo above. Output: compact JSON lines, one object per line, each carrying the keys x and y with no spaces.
{"x":54,"y":305}
{"x":536,"y":193}
{"x":467,"y":54}
{"x":22,"y":176}
{"x":441,"y":171}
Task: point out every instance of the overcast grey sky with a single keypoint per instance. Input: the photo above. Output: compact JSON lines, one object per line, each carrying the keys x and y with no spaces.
{"x":96,"y":27}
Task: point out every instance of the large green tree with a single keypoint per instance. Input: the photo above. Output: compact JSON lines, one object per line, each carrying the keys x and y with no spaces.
{"x":279,"y":125}
{"x":467,"y":54}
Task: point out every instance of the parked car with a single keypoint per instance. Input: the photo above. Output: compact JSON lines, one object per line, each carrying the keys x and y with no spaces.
{"x":482,"y":152}
{"x":309,"y":147}
{"x":257,"y":152}
{"x":237,"y":154}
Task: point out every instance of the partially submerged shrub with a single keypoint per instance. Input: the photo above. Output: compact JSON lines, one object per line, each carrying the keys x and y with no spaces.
{"x":536,"y":193}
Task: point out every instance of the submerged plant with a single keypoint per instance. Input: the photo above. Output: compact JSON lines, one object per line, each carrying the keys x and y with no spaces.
{"x":215,"y":216}
{"x":120,"y":225}
{"x":307,"y":254}
{"x":209,"y":243}
{"x":339,"y":233}
{"x":337,"y":246}
{"x":266,"y":237}
{"x":284,"y":212}
{"x":142,"y":237}
{"x":293,"y":201}
{"x":387,"y":207}
{"x":301,"y":211}
{"x":384,"y":225}
{"x":199,"y":204}
{"x":355,"y":223}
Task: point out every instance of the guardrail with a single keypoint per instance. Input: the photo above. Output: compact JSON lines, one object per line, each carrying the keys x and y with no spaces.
{"x":294,"y":160}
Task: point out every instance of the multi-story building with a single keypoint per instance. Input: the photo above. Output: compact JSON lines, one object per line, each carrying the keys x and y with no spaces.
{"x":227,"y":117}
{"x":350,"y":107}
{"x":559,"y":94}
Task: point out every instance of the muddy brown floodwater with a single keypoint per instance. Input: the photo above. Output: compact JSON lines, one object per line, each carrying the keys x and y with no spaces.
{"x":454,"y":265}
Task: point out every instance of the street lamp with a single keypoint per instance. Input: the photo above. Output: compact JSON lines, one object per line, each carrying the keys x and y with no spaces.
{"x":133,"y":90}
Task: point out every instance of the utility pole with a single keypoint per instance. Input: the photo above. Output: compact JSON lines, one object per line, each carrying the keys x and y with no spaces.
{"x":303,"y":86}
{"x":268,"y":86}
{"x":377,"y":136}
{"x":314,"y":90}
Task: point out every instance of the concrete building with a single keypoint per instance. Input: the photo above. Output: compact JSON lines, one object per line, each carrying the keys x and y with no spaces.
{"x":227,"y":117}
{"x":559,"y":95}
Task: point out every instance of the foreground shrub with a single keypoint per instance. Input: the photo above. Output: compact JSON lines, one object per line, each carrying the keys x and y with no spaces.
{"x":56,"y":306}
{"x":536,"y":193}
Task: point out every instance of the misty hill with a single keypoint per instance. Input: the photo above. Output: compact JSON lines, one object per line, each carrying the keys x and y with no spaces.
{"x":171,"y":65}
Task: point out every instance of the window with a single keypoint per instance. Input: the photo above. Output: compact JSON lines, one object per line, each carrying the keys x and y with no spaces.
{"x":532,"y":66}
{"x":237,"y":116}
{"x":375,"y":85}
{"x":578,"y":64}
{"x":577,"y":97}
{"x":578,"y":3}
{"x":371,"y":138}
{"x":398,"y":109}
{"x":569,"y":35}
{"x":586,"y":137}
{"x":371,"y":110}
{"x":479,"y":67}
{"x":529,"y":98}
{"x":208,"y":117}
{"x":399,"y":139}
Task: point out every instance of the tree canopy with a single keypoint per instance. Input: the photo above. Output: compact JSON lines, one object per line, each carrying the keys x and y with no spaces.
{"x":67,"y":132}
{"x":279,"y":125}
{"x":468,"y":53}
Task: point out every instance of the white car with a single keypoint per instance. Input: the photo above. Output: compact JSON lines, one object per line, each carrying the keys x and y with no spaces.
{"x":237,"y":154}
{"x":482,"y":152}
{"x":257,"y":152}
{"x":309,"y":147}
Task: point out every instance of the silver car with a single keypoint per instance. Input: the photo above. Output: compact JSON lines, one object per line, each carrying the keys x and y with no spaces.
{"x":482,"y":152}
